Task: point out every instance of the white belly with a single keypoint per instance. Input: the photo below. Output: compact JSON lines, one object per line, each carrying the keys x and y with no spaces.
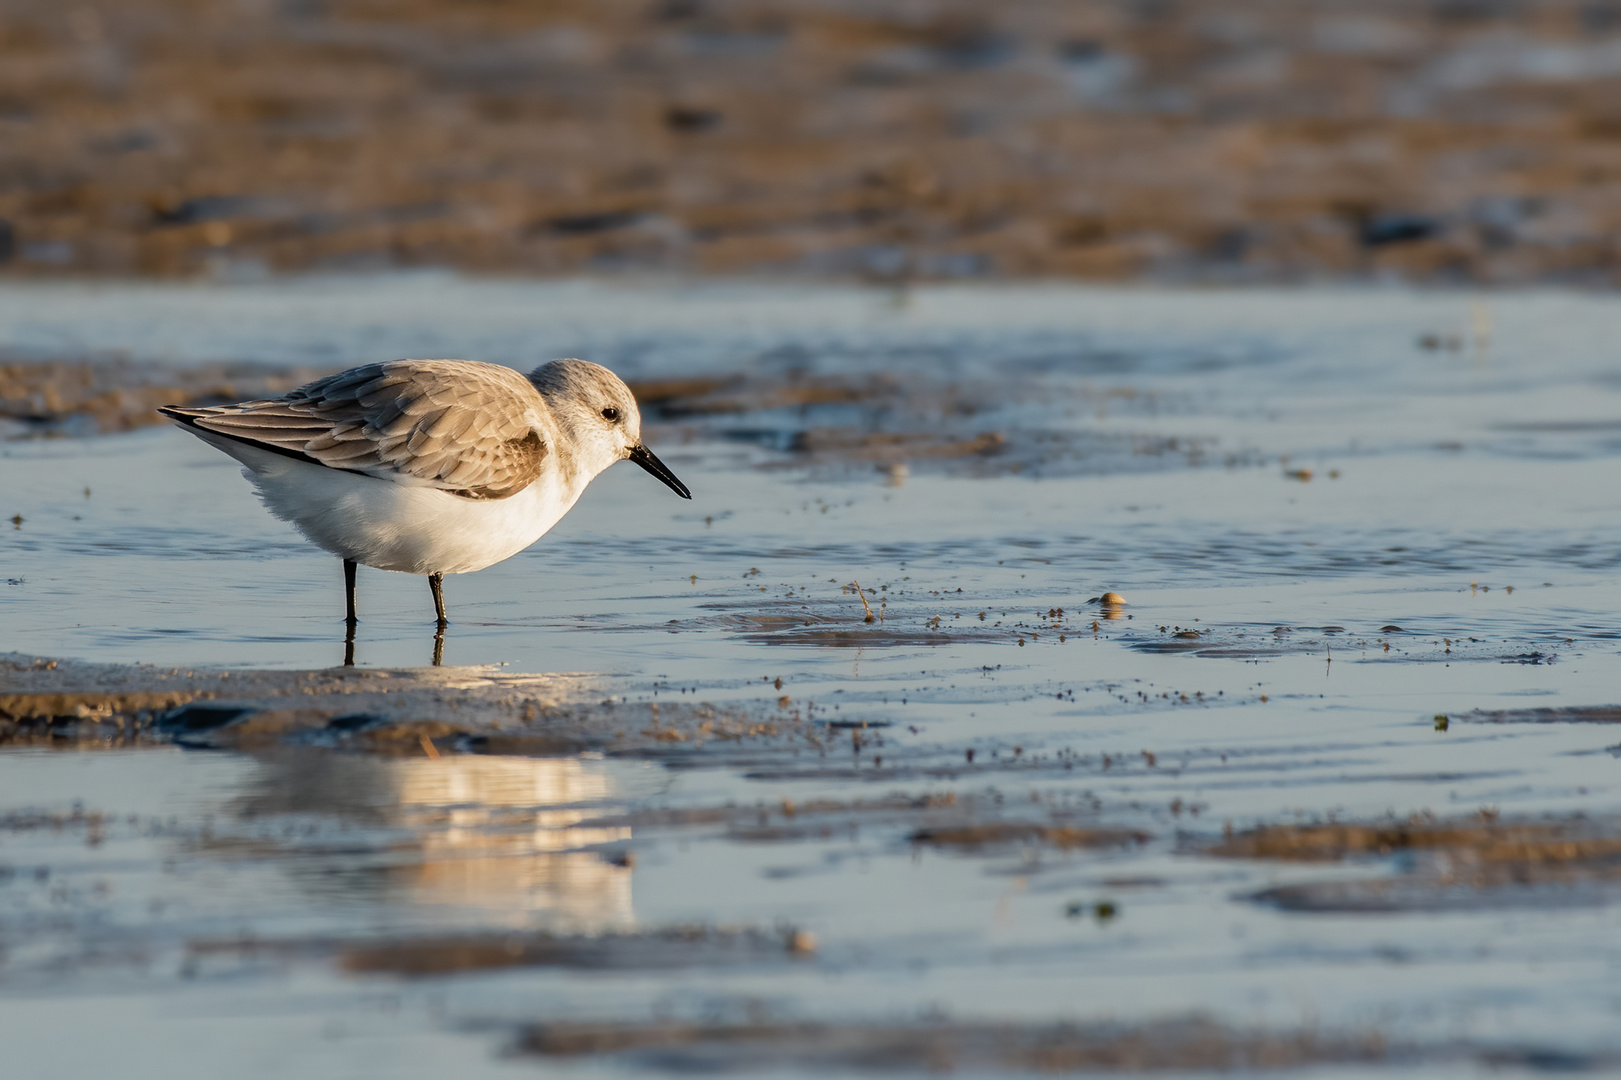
{"x":402,"y":526}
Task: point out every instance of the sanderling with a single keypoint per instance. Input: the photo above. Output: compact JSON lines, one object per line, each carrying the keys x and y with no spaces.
{"x":431,"y":466}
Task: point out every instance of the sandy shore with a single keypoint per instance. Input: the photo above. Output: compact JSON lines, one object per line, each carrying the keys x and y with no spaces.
{"x":1241,"y":140}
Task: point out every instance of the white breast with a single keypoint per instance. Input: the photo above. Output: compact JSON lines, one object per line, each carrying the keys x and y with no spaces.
{"x":400,"y":525}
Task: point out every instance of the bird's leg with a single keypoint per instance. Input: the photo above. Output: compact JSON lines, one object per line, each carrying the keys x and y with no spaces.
{"x":434,"y":581}
{"x":349,"y":591}
{"x":349,"y":621}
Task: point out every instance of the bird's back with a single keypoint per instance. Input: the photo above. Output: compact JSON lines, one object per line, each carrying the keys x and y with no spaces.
{"x":479,"y":431}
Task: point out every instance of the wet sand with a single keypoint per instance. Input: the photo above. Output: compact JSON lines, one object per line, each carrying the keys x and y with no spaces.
{"x":1327,"y":787}
{"x":66,"y":702}
{"x":1240,"y":140}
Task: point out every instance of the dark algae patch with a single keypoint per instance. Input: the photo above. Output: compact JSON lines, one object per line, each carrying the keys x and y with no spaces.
{"x":1005,"y":833}
{"x":1487,"y":837}
{"x":1479,"y":863}
{"x":444,"y":955}
{"x":946,"y":1047}
{"x":1579,"y":714}
{"x":1169,"y":1046}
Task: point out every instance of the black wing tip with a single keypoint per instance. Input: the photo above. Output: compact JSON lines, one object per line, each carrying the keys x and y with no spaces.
{"x":189,"y":418}
{"x":180,"y":414}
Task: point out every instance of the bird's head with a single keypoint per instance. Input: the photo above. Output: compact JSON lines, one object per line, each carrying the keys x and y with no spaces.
{"x":597,"y":409}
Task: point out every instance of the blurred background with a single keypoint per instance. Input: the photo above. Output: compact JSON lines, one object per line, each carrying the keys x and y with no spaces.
{"x":1219,"y":140}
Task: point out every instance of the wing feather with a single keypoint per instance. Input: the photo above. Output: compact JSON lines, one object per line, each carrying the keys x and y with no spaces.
{"x":478,"y":430}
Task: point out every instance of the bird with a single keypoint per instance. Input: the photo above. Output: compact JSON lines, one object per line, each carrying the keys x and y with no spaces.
{"x":430,"y":467}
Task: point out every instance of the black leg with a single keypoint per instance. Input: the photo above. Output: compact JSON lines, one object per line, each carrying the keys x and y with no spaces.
{"x":434,"y":581}
{"x":349,"y":618}
{"x":349,"y":589}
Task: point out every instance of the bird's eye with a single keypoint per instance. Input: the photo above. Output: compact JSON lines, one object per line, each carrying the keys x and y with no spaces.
{"x":611,"y":415}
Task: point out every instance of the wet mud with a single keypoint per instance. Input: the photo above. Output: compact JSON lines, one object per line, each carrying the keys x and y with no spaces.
{"x":412,"y":711}
{"x":92,"y":397}
{"x":652,"y":950}
{"x":1485,"y":863}
{"x":1236,"y":141}
{"x":941,"y":1048}
{"x":1172,"y":1046}
{"x":1589,"y":714}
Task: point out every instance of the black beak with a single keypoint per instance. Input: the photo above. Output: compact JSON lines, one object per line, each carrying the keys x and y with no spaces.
{"x":644,"y":457}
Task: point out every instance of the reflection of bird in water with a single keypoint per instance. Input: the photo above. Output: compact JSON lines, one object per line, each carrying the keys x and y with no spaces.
{"x":431,"y":466}
{"x":499,"y":834}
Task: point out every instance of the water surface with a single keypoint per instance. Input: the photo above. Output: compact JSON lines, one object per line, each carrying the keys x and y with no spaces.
{"x":1334,"y":515}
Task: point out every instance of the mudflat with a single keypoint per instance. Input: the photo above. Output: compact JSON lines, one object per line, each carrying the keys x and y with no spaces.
{"x":1041,"y":679}
{"x":1240,"y":140}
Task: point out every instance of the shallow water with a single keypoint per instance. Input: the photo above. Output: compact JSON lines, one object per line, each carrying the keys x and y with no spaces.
{"x":1152,"y":443}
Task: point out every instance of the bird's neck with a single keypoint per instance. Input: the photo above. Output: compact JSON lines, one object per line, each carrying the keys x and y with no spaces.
{"x":581,"y":452}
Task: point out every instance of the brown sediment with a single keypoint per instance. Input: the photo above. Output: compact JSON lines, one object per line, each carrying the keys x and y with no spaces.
{"x":848,"y":445}
{"x":118,"y":395}
{"x":817,"y":631}
{"x":1485,"y":837}
{"x":853,"y":638}
{"x":385,"y":711}
{"x":1003,"y":833}
{"x":36,"y":691}
{"x":1106,"y":141}
{"x":681,"y":817}
{"x":1575,"y":714}
{"x":777,"y":623}
{"x":717,"y":396}
{"x":653,"y":950}
{"x":1474,"y":863}
{"x":667,"y":394}
{"x":1218,"y":642}
{"x":947,"y":1046}
{"x":1454,"y":889}
{"x":428,"y":956}
{"x":922,"y":419}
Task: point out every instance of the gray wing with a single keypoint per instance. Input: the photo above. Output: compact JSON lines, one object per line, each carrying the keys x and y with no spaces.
{"x":462,"y":426}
